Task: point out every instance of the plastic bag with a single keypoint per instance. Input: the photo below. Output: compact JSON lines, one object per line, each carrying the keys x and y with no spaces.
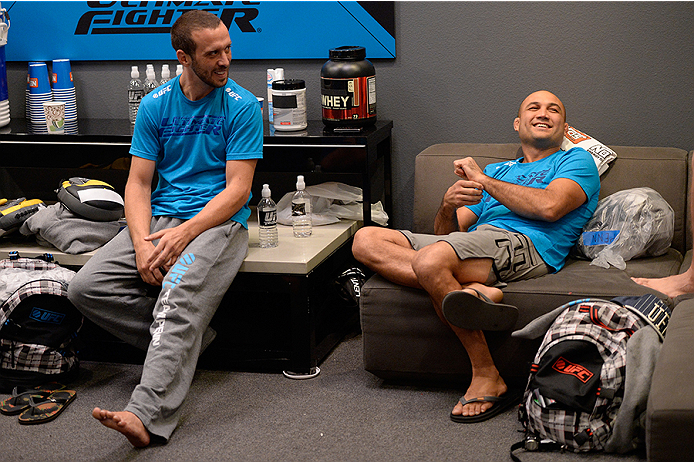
{"x":627,"y":224}
{"x":330,"y":202}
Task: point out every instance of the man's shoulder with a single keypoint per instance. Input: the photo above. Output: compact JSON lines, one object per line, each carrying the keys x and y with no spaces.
{"x":236,"y":94}
{"x":576,"y":153}
{"x":161,"y":93}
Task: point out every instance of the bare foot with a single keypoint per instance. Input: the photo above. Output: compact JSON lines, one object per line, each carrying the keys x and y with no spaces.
{"x":672,"y":286}
{"x":479,"y":387}
{"x":125,"y":422}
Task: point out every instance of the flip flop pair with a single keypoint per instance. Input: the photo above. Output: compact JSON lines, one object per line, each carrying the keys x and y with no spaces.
{"x":465,"y":310}
{"x":500,"y":404}
{"x":20,"y":402}
{"x":47,"y":410}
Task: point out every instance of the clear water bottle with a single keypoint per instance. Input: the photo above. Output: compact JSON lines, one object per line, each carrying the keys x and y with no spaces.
{"x":302,"y":222}
{"x":136,"y":91}
{"x":179,"y":69}
{"x":267,"y":220}
{"x":165,"y":74}
{"x":151,"y":80}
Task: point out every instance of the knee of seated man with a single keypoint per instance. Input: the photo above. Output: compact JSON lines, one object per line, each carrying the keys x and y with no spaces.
{"x":363,"y":241}
{"x":433,"y":259}
{"x":77,"y":289}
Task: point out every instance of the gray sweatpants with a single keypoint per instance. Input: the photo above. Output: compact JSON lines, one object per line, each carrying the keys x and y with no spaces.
{"x":168,"y":323}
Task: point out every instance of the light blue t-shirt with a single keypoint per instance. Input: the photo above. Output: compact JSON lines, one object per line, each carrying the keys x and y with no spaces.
{"x":190,"y":141}
{"x":552,"y":240}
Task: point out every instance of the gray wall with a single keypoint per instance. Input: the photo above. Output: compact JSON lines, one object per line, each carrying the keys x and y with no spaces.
{"x":624,"y":70}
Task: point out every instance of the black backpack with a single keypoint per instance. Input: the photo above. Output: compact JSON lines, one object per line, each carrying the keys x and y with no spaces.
{"x":38,"y":325}
{"x":577,"y":379}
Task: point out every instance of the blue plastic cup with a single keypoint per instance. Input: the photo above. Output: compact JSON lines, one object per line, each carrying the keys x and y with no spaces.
{"x":62,"y":75}
{"x":38,"y":79}
{"x":3,"y":76}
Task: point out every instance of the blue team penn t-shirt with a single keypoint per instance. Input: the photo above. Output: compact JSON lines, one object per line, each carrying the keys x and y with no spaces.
{"x":553,"y":240}
{"x":191,"y":141}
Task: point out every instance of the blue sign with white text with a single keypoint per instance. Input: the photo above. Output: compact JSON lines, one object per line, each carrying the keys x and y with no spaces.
{"x":139,"y":30}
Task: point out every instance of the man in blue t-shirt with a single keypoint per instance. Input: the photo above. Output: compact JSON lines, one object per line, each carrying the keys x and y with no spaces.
{"x":514,"y":220}
{"x":158,"y":283}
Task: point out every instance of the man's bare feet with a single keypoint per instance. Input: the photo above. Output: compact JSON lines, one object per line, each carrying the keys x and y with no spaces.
{"x":672,"y":286}
{"x":125,"y":422}
{"x":479,"y":387}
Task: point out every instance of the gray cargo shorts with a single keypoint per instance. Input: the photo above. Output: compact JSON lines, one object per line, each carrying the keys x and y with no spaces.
{"x":513,"y":255}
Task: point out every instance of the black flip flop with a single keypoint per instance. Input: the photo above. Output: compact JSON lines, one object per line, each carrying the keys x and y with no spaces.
{"x":462,"y":309}
{"x":19,"y":402}
{"x":47,"y":410}
{"x":501,"y":403}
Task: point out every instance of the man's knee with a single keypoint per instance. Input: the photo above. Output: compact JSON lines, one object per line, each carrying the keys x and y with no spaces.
{"x":433,"y":259}
{"x":77,"y":289}
{"x":363,"y":243}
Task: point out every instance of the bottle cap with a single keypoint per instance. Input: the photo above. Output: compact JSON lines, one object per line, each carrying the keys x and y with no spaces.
{"x":350,"y":53}
{"x":266,"y":190}
{"x":290,"y":84}
{"x":300,"y":182}
{"x":150,"y":73}
{"x":165,"y":72}
{"x":179,"y":69}
{"x":134,"y":73}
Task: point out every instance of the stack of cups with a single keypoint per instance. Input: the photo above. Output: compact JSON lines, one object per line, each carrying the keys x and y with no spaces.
{"x":4,"y":101}
{"x":64,"y":91}
{"x":39,"y":88}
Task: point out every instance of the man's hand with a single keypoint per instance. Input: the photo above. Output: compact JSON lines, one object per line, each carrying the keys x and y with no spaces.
{"x":468,"y":169}
{"x":171,"y":243}
{"x":461,"y":193}
{"x":142,"y":256}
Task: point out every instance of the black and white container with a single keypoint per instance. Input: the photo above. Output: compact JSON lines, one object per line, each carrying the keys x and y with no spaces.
{"x":289,"y":104}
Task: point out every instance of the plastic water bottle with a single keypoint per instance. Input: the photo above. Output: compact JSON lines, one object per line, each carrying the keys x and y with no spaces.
{"x":179,"y":69}
{"x":151,"y":81}
{"x":267,"y":220}
{"x":136,"y":91}
{"x":165,"y":73}
{"x":302,"y":223}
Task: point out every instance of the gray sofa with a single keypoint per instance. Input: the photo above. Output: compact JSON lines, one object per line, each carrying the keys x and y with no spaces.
{"x":405,"y":340}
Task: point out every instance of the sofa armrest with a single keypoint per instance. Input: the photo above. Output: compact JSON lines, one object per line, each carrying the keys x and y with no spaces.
{"x":670,"y":413}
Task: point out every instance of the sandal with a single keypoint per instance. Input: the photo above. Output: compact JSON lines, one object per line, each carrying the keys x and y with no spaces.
{"x":19,"y":402}
{"x":462,"y":309}
{"x":45,"y":411}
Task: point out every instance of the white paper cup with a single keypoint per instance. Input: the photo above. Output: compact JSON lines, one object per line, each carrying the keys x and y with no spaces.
{"x":54,"y":111}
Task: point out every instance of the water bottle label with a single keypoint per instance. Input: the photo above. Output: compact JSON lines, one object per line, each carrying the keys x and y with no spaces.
{"x":268,"y":218}
{"x":134,"y":96}
{"x":298,"y":209}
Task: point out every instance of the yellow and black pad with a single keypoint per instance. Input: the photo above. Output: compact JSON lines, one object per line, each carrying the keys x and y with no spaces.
{"x":91,"y":199}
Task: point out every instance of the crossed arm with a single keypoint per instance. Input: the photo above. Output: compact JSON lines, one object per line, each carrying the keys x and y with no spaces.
{"x":560,"y":197}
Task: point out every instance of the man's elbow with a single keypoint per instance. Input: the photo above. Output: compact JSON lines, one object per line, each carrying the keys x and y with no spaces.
{"x":551,"y":214}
